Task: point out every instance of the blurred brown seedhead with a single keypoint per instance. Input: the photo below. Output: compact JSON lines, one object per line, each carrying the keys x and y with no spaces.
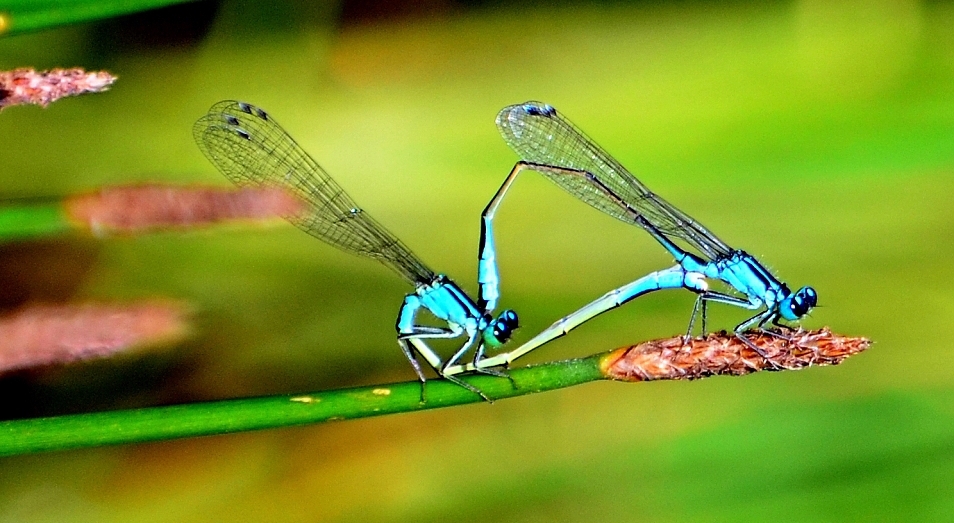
{"x":28,"y":86}
{"x":48,"y":334}
{"x":137,"y":208}
{"x":723,"y":353}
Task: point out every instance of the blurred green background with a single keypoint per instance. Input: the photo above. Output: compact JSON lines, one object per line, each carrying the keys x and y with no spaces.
{"x":817,"y":134}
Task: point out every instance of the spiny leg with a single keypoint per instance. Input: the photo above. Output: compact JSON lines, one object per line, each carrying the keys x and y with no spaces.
{"x":700,"y":303}
{"x":492,"y":372}
{"x":460,"y":352}
{"x":423,"y":329}
{"x":420,"y":333}
{"x":435,"y":362}
{"x":429,"y":355}
{"x":453,"y":360}
{"x":417,"y":366}
{"x":705,"y":304}
{"x":416,"y":339}
{"x":780,"y":335}
{"x":760,"y":318}
{"x":457,"y":381}
{"x":703,"y":300}
{"x":478,"y":356}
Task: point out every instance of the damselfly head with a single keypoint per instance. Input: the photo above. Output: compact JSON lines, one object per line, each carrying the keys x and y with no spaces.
{"x":794,"y":306}
{"x":500,"y":330}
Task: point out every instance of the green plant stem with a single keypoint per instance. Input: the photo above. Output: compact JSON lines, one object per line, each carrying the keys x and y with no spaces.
{"x":222,"y":417}
{"x":24,"y":16}
{"x":31,"y":220}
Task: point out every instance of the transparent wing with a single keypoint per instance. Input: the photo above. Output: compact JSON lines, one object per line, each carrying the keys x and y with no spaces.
{"x":538,"y":134}
{"x":251,"y":149}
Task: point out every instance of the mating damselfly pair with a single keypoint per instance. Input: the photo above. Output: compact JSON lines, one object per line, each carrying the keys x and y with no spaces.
{"x":252,"y":149}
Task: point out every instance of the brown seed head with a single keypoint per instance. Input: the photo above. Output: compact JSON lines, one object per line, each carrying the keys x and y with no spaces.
{"x":47,"y":334}
{"x":722,"y":353}
{"x":138,"y":208}
{"x":28,"y":86}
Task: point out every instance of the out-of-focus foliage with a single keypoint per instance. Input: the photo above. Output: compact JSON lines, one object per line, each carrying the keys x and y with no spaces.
{"x":814,"y":134}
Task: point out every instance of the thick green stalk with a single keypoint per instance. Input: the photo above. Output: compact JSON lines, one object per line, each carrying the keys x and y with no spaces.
{"x":222,"y":417}
{"x":25,"y":16}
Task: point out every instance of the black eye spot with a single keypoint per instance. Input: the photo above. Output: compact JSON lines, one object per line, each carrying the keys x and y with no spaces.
{"x":801,"y":305}
{"x":243,"y":134}
{"x":261,"y":114}
{"x":245,"y":108}
{"x":231,"y":119}
{"x":502,"y":335}
{"x":542,"y":110}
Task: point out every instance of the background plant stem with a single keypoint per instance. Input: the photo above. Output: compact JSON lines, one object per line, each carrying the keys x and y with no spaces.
{"x":32,"y":220}
{"x":34,"y":16}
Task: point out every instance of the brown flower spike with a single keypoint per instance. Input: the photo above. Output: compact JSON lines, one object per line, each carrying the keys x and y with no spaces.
{"x":722,"y":353}
{"x":28,"y":86}
{"x":131,"y":208}
{"x":39,"y":335}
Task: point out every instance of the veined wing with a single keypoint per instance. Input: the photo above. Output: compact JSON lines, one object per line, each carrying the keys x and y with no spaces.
{"x":538,"y":134}
{"x":252,"y":150}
